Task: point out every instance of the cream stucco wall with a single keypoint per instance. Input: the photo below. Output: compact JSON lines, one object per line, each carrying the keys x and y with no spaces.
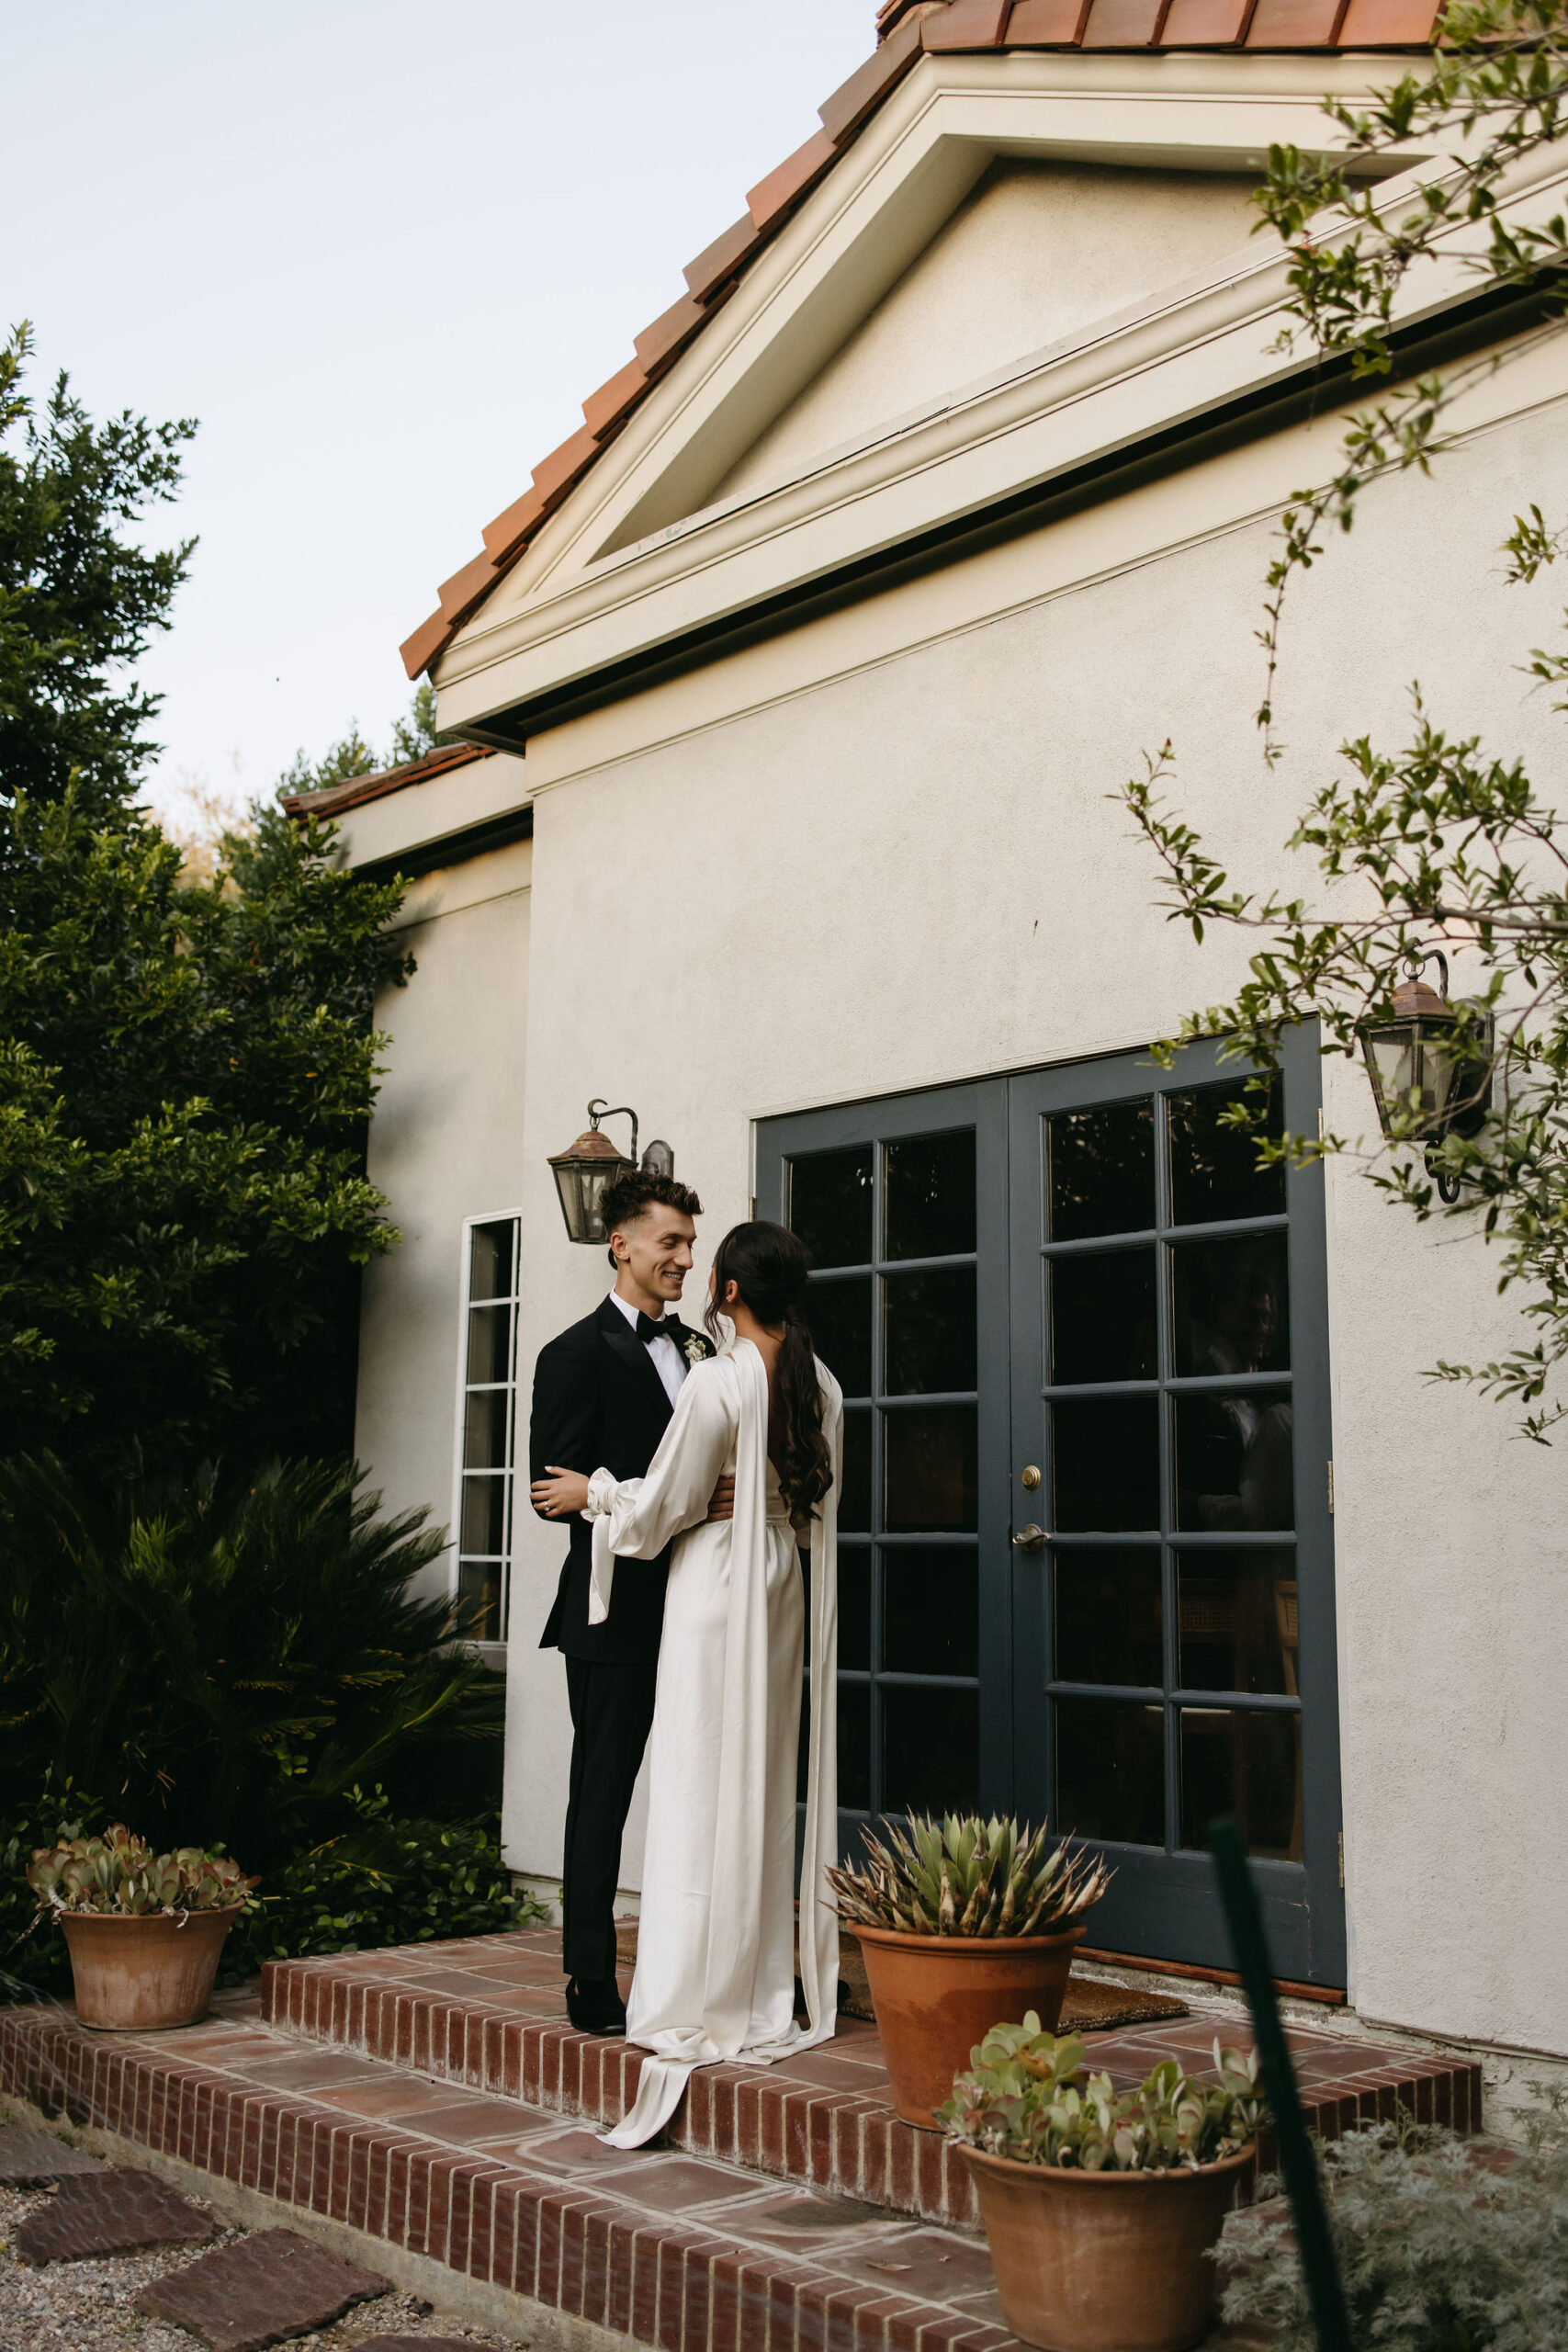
{"x":445,"y":1143}
{"x":1038,"y":253}
{"x":911,"y":872}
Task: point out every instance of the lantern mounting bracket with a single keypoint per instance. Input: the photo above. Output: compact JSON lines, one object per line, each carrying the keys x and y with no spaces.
{"x":599,"y":1109}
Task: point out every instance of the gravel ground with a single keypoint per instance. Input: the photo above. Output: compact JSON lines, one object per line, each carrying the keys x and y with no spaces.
{"x":79,"y":2306}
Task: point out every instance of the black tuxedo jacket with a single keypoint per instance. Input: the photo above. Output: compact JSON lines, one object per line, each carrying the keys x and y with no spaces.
{"x":600,"y":1405}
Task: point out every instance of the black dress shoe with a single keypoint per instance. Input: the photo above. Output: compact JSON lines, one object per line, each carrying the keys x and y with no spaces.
{"x":595,"y":2004}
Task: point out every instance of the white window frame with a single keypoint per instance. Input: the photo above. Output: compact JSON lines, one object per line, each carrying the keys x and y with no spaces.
{"x":494,"y":1651}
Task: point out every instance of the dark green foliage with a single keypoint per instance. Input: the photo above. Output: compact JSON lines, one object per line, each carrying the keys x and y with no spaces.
{"x":185,"y":1078}
{"x":32,"y":1956}
{"x":412,"y":736}
{"x":1438,"y":2253}
{"x":186,"y":1072}
{"x":79,"y":597}
{"x":384,"y":1882}
{"x":226,"y":1658}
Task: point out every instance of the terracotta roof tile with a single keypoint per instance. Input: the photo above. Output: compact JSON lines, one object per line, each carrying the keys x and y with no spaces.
{"x":428,"y":640}
{"x":554,"y":475}
{"x":1047,"y":24}
{"x":1294,"y":24}
{"x":1123,"y":24}
{"x":658,"y":344}
{"x":853,"y":100}
{"x":1206,"y":24}
{"x":458,"y":593}
{"x":512,"y":527}
{"x":904,"y":28}
{"x":722,"y":258}
{"x":605,"y":409}
{"x":772,"y":197}
{"x":967,"y":24}
{"x":357,"y":789}
{"x":1383,"y":24}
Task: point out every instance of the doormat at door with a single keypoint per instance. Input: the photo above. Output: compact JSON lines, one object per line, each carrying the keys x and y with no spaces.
{"x":1090,"y":2007}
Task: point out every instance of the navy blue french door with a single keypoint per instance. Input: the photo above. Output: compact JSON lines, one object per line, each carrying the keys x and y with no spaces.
{"x":1086,"y":1557}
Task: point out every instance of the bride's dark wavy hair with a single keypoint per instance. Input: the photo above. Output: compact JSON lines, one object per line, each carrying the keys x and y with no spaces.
{"x":768,"y":1266}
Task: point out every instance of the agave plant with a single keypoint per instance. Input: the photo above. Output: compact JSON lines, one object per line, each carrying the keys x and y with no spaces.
{"x":968,"y":1877}
{"x":1029,"y":2096}
{"x":117,"y":1873}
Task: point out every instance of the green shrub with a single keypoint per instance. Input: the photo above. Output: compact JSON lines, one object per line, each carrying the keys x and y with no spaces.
{"x":33,"y":1961}
{"x":385,"y":1882}
{"x":1030,"y":2096}
{"x":227,"y":1657}
{"x":1438,"y":2253}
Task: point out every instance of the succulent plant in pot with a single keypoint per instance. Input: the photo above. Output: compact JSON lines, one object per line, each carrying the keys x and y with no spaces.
{"x":962,"y":1922}
{"x":144,"y":1929}
{"x":1102,"y":2208}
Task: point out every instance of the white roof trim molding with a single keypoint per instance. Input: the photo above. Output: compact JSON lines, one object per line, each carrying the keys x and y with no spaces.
{"x":634,"y":560}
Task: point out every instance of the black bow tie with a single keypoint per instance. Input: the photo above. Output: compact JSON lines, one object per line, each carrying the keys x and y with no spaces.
{"x":649,"y":1327}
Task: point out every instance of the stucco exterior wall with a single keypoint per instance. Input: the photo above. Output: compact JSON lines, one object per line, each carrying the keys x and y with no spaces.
{"x":1036,"y":253}
{"x":912,"y":873}
{"x":445,"y":1143}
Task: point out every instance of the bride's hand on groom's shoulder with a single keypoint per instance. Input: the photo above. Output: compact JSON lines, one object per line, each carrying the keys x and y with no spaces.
{"x":560,"y":1494}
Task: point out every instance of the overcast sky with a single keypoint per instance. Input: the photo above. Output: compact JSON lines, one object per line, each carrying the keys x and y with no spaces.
{"x":381,"y":251}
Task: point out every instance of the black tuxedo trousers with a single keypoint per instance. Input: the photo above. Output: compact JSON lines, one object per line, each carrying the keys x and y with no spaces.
{"x":600,"y":1405}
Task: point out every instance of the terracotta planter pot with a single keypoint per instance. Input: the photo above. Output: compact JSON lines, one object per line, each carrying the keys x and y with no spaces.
{"x":138,"y":1975}
{"x":936,"y":1997}
{"x":1105,"y":2261}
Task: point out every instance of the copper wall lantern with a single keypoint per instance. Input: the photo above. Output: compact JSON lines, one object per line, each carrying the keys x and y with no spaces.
{"x":584,"y":1173}
{"x":1427,"y":1084}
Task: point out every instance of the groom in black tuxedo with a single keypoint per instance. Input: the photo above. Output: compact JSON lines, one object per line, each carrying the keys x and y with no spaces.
{"x":603,"y":1393}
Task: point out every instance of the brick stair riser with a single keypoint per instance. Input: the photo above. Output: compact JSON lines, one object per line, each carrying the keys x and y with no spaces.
{"x":824,"y":2139}
{"x":831,"y":2140}
{"x":678,"y":2289}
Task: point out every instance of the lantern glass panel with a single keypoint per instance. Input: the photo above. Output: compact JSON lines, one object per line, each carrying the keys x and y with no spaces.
{"x":1390,"y":1055}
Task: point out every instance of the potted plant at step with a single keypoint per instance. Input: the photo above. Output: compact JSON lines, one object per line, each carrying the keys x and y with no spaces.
{"x":144,"y":1930}
{"x":1101,"y":2208}
{"x":961,"y":1922}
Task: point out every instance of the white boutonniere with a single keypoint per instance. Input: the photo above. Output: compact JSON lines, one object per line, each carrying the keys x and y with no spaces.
{"x":697,"y":1348}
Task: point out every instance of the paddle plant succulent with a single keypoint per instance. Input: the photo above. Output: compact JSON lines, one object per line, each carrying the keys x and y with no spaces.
{"x":967,"y":1877}
{"x":1030,"y":2096}
{"x":118,"y":1873}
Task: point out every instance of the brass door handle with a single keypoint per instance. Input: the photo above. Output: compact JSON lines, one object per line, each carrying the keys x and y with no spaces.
{"x":1030,"y":1539}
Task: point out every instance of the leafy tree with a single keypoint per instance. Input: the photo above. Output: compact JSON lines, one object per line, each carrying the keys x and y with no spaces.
{"x":1452,"y":847}
{"x":186,"y":1071}
{"x":351,"y":755}
{"x":79,"y":597}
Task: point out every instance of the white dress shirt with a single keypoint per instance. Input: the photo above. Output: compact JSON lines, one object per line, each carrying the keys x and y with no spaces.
{"x":668,"y":1361}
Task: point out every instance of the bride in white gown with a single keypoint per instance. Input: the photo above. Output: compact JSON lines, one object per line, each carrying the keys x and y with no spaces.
{"x":716,"y":1942}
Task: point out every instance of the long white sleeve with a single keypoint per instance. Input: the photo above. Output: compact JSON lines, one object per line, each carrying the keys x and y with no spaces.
{"x":636,"y":1518}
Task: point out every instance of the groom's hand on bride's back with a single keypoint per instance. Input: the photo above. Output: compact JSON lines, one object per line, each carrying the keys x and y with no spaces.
{"x":560,"y":1494}
{"x":721,"y":1504}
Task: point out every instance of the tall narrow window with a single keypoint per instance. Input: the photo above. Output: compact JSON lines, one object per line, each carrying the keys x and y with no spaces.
{"x":487,"y":1423}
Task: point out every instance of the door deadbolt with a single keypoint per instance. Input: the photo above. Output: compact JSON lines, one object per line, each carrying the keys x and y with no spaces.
{"x":1029,"y":1477}
{"x":1029,"y":1539}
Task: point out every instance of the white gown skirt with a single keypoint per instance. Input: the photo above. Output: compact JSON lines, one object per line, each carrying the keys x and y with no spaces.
{"x":679,"y":1896}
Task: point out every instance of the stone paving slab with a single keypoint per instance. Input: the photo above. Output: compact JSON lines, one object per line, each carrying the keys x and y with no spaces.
{"x":108,"y":2213}
{"x":29,"y":2157}
{"x":261,"y":2290}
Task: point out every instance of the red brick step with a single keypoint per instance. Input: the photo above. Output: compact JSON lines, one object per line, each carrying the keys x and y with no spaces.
{"x":489,"y":2014}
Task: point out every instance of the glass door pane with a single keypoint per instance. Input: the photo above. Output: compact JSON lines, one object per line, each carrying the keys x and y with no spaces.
{"x":902,"y":1205}
{"x":1175,"y":1659}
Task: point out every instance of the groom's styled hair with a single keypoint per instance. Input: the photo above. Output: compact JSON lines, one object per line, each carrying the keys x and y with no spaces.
{"x":639,"y":1189}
